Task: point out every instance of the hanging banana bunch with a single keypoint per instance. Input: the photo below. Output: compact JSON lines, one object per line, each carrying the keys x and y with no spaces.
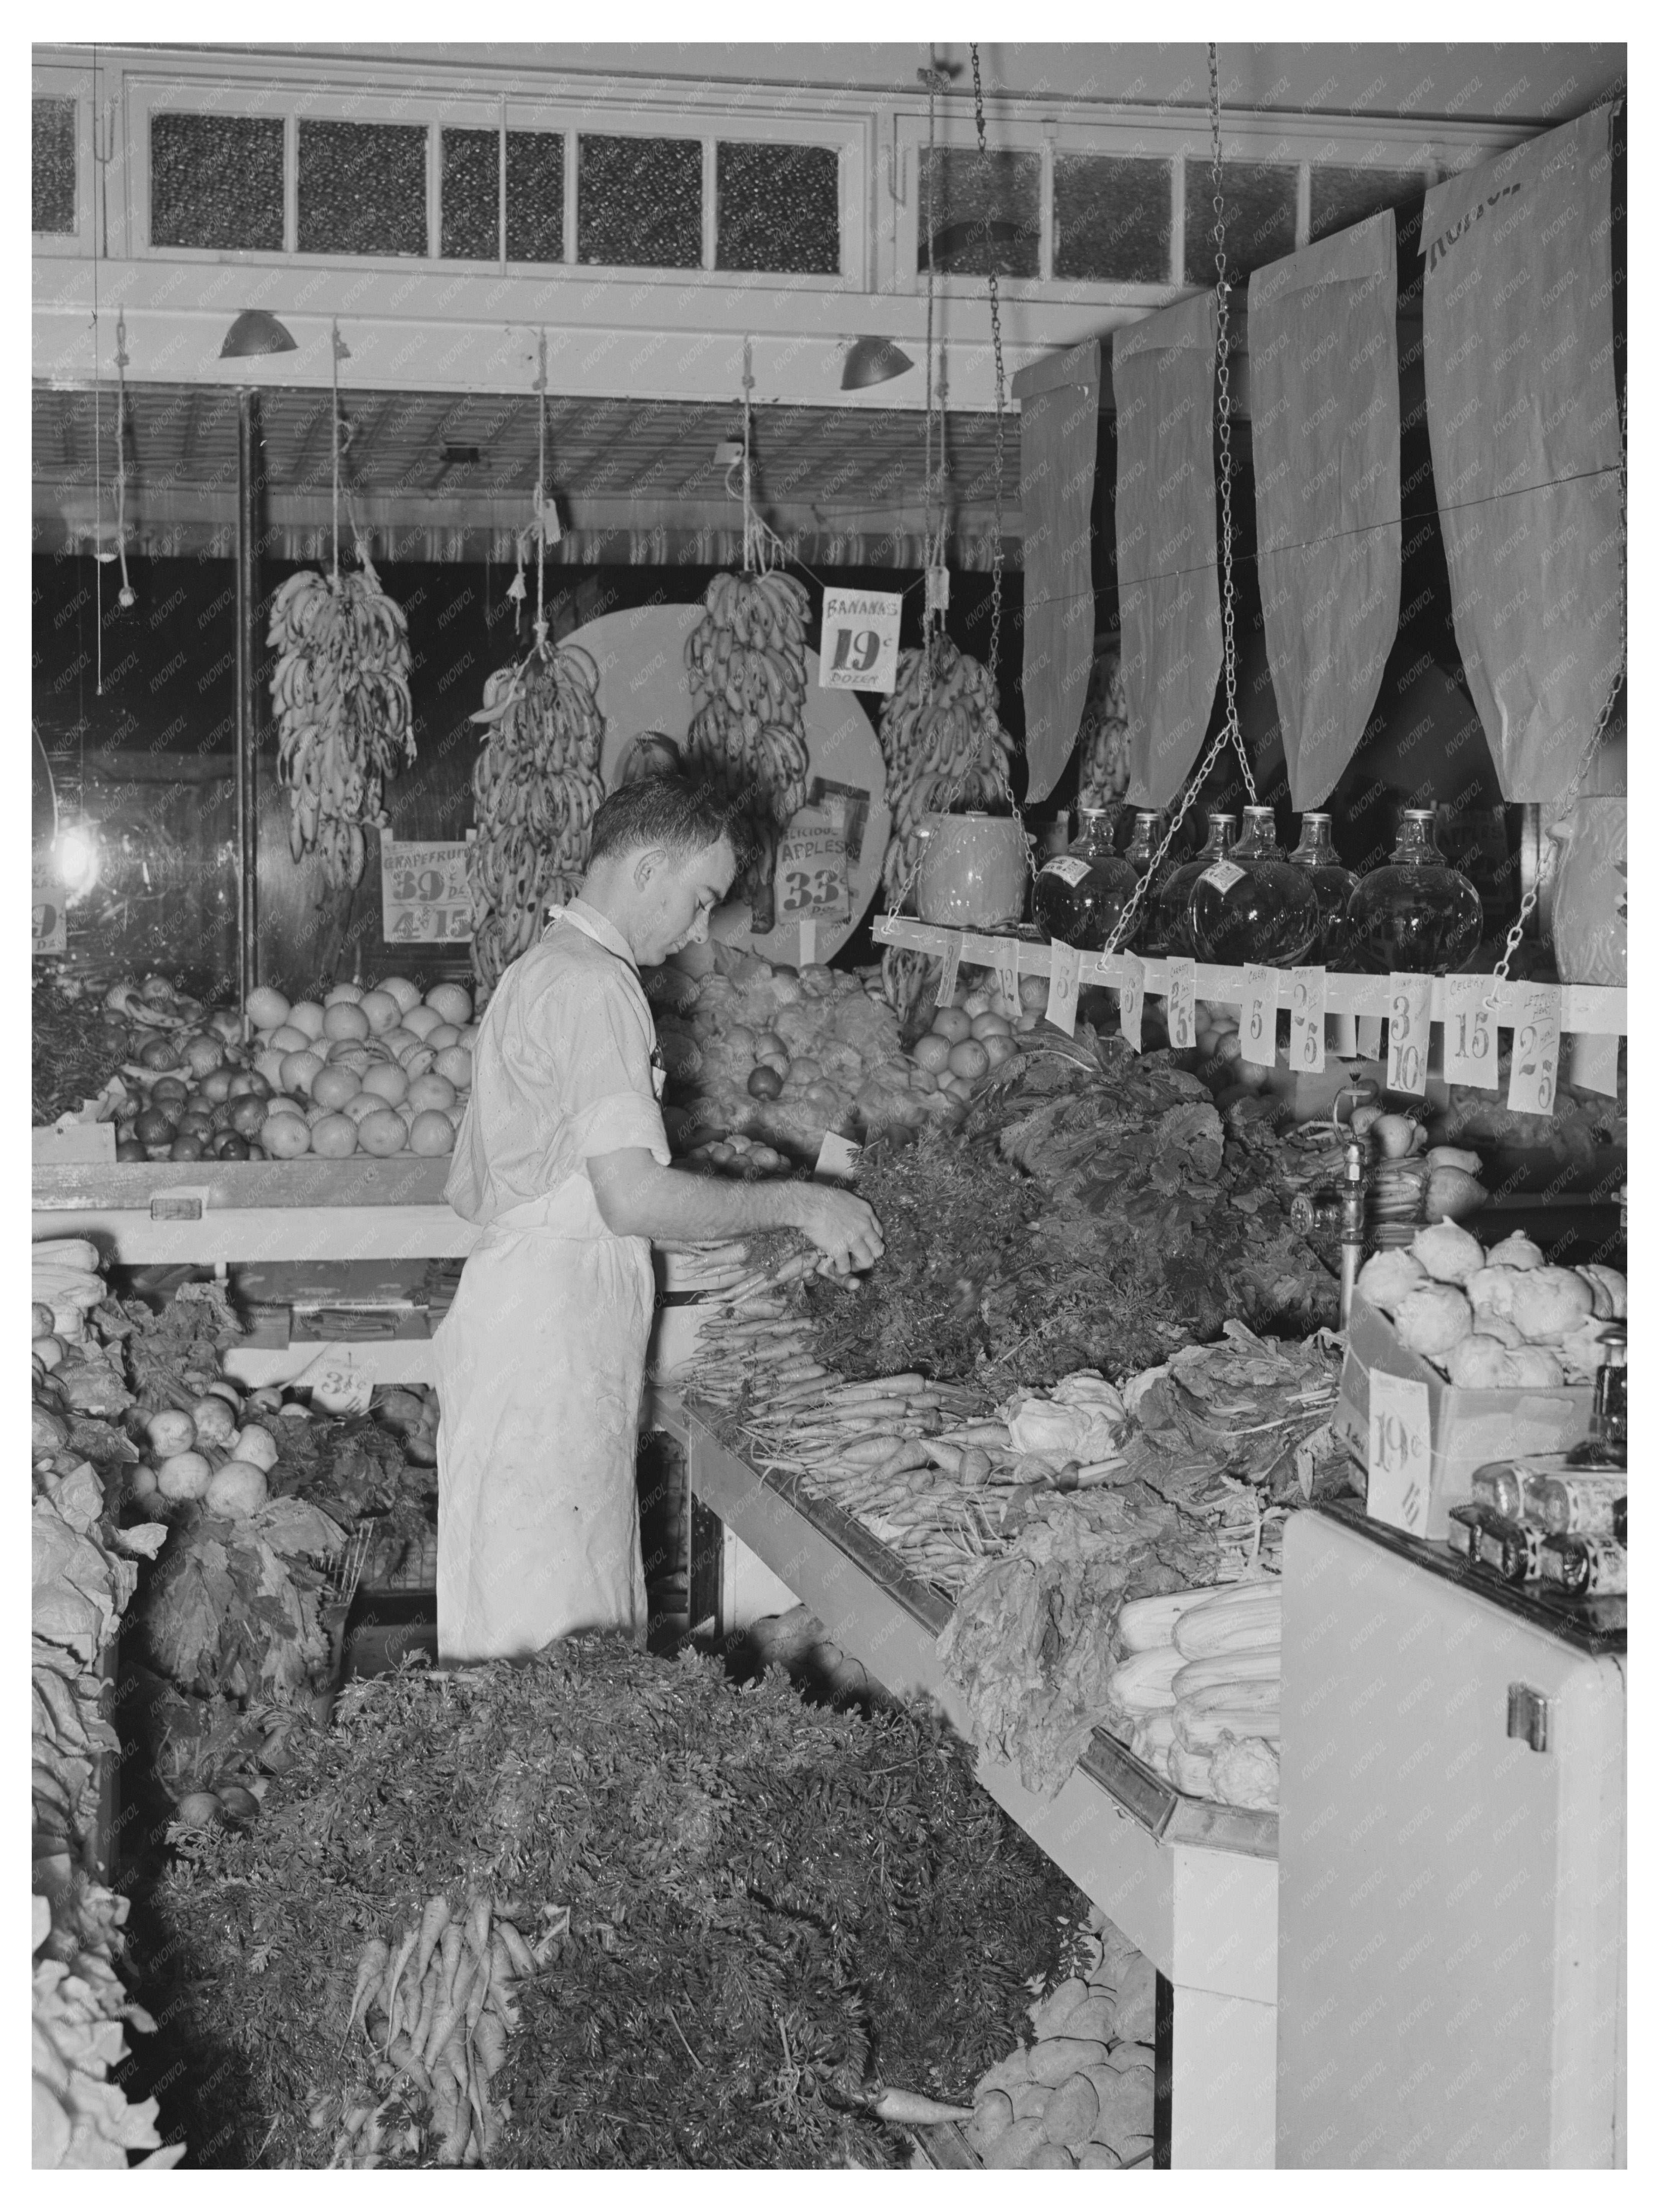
{"x":949,"y":750}
{"x":747,"y":663}
{"x":536,"y":787}
{"x":943,"y":751}
{"x":341,"y":693}
{"x":1104,"y":737}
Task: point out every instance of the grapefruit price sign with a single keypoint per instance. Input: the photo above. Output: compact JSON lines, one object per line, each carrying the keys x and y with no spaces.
{"x":424,"y":899}
{"x":858,"y":647}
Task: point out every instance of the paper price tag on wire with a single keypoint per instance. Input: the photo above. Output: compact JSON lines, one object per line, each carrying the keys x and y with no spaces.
{"x":945,"y":994}
{"x":1007,"y":968}
{"x":1342,"y":1035}
{"x":1408,"y":1032}
{"x":1471,"y":1031}
{"x":1065,"y":967}
{"x":337,"y":1386}
{"x":1258,"y":1016}
{"x":1536,"y":1052}
{"x":1397,"y":1452}
{"x":858,"y":645}
{"x":1132,"y":1000}
{"x":937,"y":591}
{"x":1307,"y":1020}
{"x":1593,"y":1060}
{"x":1183,"y":1003}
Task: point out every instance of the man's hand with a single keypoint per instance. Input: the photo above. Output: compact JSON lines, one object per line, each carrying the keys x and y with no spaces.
{"x":843,"y":1227}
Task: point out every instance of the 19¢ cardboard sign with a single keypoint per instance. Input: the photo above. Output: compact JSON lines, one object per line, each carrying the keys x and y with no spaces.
{"x":858,"y":647}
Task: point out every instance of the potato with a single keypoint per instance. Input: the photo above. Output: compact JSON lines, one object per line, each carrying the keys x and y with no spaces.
{"x":1072,"y":2112}
{"x":1014,"y":2146}
{"x":1049,"y":2017}
{"x":1059,"y":2056}
{"x":1009,"y":2073}
{"x":1031,"y":2100}
{"x":1046,"y":2155}
{"x":1096,"y":2157}
{"x":1135,"y":1999}
{"x":1097,"y":2016}
{"x":994,"y":2115}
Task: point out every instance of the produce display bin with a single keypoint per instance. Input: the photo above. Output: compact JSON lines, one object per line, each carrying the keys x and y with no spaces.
{"x":1193,"y":1883}
{"x":1466,"y":1428}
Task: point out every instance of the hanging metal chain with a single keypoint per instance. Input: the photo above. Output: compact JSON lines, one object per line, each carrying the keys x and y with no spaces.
{"x":1123,"y":927}
{"x":1567,"y":797}
{"x":1223,"y":420}
{"x":996,"y":357}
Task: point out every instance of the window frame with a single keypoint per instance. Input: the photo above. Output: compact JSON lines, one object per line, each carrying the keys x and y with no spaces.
{"x":49,"y":81}
{"x":144,"y":94}
{"x":1302,"y":143}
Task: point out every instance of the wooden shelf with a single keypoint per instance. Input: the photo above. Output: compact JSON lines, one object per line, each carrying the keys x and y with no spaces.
{"x":1586,"y":1009}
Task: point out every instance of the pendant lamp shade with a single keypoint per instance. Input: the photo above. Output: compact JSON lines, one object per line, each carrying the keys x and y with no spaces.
{"x":873,"y":361}
{"x":255,"y":331}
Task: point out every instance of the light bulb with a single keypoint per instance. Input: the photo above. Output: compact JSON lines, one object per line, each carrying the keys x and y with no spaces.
{"x":77,"y":859}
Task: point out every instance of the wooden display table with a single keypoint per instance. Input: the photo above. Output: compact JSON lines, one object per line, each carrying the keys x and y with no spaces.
{"x":224,"y":1213}
{"x":1194,"y":1885}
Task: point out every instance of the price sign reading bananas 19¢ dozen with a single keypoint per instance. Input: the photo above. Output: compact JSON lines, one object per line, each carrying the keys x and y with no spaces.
{"x":858,"y":647}
{"x":424,"y":899}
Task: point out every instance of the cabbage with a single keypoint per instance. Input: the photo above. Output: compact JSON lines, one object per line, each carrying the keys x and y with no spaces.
{"x":1533,"y":1367}
{"x":1388,"y":1277}
{"x":1491,"y":1290}
{"x":1448,"y":1253}
{"x":1609,"y":1296}
{"x":1434,"y":1318}
{"x":1497,"y":1326}
{"x":1581,"y":1353}
{"x":1549,"y":1303}
{"x":1478,"y":1363}
{"x":1514,"y":1251}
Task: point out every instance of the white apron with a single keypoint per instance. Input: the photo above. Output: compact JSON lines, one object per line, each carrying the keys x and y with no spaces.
{"x":540,"y":1367}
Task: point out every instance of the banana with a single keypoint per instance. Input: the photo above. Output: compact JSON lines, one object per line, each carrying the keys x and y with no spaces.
{"x":340,"y":689}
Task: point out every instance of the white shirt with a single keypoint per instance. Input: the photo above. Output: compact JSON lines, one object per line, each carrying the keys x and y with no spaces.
{"x":561,"y":1070}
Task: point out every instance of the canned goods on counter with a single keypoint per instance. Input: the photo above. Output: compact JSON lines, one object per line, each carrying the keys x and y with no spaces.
{"x":1580,"y":1504}
{"x":1586,"y":1566}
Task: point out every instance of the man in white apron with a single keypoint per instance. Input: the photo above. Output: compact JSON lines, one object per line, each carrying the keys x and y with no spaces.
{"x":562,"y":1158}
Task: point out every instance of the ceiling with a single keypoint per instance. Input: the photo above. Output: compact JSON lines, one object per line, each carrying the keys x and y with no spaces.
{"x":1514,"y":83}
{"x":463,"y":468}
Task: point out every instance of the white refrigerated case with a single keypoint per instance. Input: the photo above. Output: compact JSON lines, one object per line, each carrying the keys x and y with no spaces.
{"x":1451,"y":1914}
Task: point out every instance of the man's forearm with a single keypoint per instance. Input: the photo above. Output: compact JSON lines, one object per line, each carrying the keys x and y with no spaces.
{"x":669,"y":1205}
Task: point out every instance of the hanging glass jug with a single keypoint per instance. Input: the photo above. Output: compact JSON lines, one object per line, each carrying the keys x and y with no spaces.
{"x":1148,"y":937}
{"x":1171,"y":917}
{"x":1253,"y":904}
{"x":1417,"y":912}
{"x":1332,"y":884}
{"x":1079,"y":896}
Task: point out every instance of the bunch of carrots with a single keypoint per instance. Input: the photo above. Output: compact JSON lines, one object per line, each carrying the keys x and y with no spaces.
{"x":436,"y":2003}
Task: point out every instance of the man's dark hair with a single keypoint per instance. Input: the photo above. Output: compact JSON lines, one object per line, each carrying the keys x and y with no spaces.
{"x":676,"y":812}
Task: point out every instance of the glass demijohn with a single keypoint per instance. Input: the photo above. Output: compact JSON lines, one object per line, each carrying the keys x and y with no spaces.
{"x":1148,"y":939}
{"x":1331,"y":883}
{"x":1252,"y":905}
{"x":1170,"y":919}
{"x":1079,"y":896}
{"x":1416,"y":914}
